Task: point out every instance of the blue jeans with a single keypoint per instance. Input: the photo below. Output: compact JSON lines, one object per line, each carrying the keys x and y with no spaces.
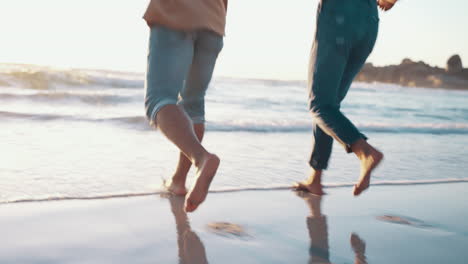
{"x":180,"y":67}
{"x":345,"y":36}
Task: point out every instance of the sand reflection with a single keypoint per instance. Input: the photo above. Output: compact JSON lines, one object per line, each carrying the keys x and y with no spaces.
{"x":318,"y":232}
{"x":191,"y":248}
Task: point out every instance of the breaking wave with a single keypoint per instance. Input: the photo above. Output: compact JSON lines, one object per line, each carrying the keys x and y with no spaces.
{"x":254,"y":126}
{"x":44,"y":78}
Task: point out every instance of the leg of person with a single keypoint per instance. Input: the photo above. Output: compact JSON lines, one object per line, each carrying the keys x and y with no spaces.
{"x":169,"y":60}
{"x":327,"y":63}
{"x":367,"y":154}
{"x":335,"y":35}
{"x":343,"y":29}
{"x":321,"y":152}
{"x":324,"y":104}
{"x":207,"y":47}
{"x":322,"y":142}
{"x":177,"y":127}
{"x":177,"y":183}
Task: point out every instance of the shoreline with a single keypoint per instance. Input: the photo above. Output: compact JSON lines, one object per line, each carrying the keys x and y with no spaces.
{"x":409,"y":224}
{"x":233,"y":190}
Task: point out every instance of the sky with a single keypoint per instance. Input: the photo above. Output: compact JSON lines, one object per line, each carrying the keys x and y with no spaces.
{"x":267,"y":39}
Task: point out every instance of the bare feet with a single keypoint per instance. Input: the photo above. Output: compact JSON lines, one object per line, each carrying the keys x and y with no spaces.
{"x":175,"y":188}
{"x":370,"y":159}
{"x":313,"y":188}
{"x":312,"y":185}
{"x":206,"y":171}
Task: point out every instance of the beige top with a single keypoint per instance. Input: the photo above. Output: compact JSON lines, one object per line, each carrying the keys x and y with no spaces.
{"x":188,"y":14}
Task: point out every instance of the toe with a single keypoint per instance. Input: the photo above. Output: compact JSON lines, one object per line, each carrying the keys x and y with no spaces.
{"x":356,"y":190}
{"x":359,"y":189}
{"x":190,"y":206}
{"x":298,"y":186}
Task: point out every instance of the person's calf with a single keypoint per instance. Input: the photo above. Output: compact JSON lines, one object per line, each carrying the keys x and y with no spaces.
{"x":177,"y":183}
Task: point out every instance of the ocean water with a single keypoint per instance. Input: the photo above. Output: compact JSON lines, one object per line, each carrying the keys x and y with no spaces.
{"x":82,"y":134}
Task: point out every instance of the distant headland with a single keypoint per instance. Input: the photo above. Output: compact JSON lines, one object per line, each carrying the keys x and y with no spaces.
{"x":418,"y":74}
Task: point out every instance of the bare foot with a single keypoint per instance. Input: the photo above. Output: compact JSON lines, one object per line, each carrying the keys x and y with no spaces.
{"x":313,"y":188}
{"x":175,"y":188}
{"x":312,"y":185}
{"x":205,"y":174}
{"x":368,"y":163}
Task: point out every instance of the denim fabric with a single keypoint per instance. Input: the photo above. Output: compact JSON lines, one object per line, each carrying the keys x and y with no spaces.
{"x":180,"y":67}
{"x":345,"y":36}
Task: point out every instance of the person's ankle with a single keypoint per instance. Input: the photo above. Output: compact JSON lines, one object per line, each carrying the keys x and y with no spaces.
{"x":315,"y":177}
{"x":178,"y":180}
{"x":200,"y":158}
{"x":361,"y":148}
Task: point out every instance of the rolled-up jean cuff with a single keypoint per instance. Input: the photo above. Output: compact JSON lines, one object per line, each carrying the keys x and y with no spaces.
{"x":158,"y":107}
{"x":198,"y":119}
{"x":348,"y":146}
{"x":197,"y":116}
{"x":316,"y":165}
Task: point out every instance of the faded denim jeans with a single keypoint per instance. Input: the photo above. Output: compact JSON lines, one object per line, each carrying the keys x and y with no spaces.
{"x":180,"y":67}
{"x":345,"y":36}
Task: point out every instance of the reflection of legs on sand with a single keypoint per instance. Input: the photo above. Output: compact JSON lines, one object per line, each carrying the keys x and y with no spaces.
{"x":318,"y":231}
{"x":191,"y":248}
{"x":359,"y":248}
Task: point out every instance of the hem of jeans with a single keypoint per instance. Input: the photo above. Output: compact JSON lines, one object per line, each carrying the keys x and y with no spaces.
{"x":317,"y":167}
{"x":348,"y":146}
{"x":156,"y":109}
{"x":198,"y":119}
{"x":195,"y":116}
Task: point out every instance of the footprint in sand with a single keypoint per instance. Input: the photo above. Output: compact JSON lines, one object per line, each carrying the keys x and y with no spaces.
{"x":403,"y":220}
{"x":227,"y":229}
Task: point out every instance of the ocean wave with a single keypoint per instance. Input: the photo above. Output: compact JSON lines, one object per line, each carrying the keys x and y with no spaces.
{"x":44,"y":78}
{"x":67,"y":97}
{"x":265,"y":82}
{"x":306,"y":126}
{"x":32,"y":117}
{"x":51,"y":117}
{"x":232,"y":190}
{"x":255,"y":126}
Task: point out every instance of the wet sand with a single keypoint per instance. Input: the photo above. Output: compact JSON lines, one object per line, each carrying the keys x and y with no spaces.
{"x":388,"y":224}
